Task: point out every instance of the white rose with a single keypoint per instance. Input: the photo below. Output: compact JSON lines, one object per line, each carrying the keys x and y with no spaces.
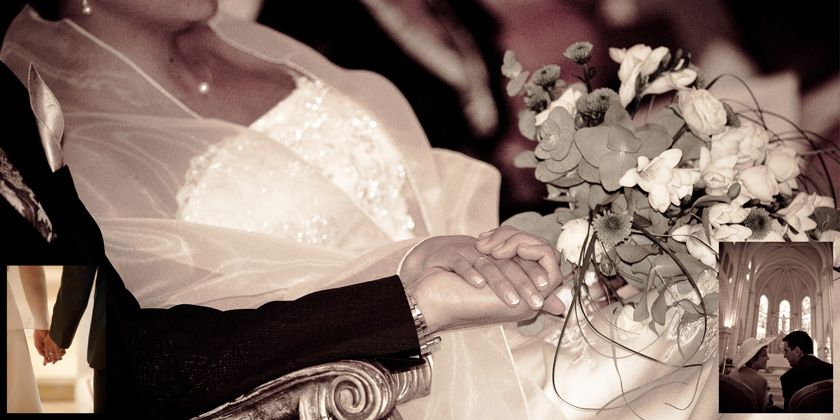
{"x":718,"y":174}
{"x":567,"y":100}
{"x":749,"y":142}
{"x":702,"y":111}
{"x":833,"y":236}
{"x":723,"y":213}
{"x":784,"y":163}
{"x":758,"y":182}
{"x":571,"y":239}
{"x":670,"y":81}
{"x":638,"y":61}
{"x":694,"y":238}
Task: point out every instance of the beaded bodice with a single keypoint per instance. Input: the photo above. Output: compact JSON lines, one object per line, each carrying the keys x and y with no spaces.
{"x":250,"y":184}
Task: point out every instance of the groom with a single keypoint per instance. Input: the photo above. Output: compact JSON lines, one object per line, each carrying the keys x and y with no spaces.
{"x":186,"y":360}
{"x":805,"y":368}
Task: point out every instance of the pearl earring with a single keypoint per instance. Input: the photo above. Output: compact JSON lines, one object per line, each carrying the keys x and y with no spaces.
{"x":86,"y":9}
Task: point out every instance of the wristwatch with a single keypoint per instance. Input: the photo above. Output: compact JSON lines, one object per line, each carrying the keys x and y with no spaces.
{"x":428,"y":344}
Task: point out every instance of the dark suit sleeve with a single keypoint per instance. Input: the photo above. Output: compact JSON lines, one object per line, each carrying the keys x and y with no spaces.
{"x":188,"y":359}
{"x":70,"y":304}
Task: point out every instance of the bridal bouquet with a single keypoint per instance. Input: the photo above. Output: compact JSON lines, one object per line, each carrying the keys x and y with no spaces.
{"x":647,"y":196}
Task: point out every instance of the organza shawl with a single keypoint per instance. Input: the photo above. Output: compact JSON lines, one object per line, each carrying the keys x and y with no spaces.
{"x":129,"y":143}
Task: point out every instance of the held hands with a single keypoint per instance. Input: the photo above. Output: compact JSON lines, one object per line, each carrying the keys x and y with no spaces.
{"x":516,"y":265}
{"x":47,"y":348}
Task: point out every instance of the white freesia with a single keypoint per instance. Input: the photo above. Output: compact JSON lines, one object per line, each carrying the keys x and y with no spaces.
{"x":732,"y":233}
{"x":637,"y":61}
{"x":749,"y":142}
{"x":718,"y":174}
{"x":571,"y":239}
{"x":567,"y":101}
{"x":670,"y":81}
{"x":726,"y":213}
{"x":784,"y":163}
{"x":694,"y":238}
{"x":833,"y":236}
{"x":758,"y":182}
{"x":798,"y":212}
{"x":659,"y":177}
{"x":702,"y":111}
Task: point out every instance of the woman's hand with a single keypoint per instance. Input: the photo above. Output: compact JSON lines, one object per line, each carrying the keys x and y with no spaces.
{"x":53,"y":352}
{"x":448,"y":303}
{"x":513,"y":277}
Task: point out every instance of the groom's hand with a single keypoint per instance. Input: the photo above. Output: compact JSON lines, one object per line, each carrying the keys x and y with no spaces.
{"x":54,"y":353}
{"x":448,"y":302}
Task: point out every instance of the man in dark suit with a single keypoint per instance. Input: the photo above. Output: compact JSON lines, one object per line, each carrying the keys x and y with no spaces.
{"x":186,"y":360}
{"x":805,"y":368}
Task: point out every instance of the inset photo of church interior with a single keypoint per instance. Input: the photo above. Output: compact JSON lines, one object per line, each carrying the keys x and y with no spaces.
{"x":776,"y":332}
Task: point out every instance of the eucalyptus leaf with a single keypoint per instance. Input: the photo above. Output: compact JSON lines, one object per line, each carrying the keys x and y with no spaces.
{"x":635,"y":253}
{"x":598,"y":196}
{"x":658,"y":309}
{"x":667,"y":267}
{"x":643,"y":267}
{"x":652,"y":326}
{"x":592,"y":143}
{"x":641,"y":313}
{"x":670,"y":120}
{"x":524,"y":221}
{"x":631,"y":279}
{"x":544,"y":174}
{"x":567,"y":164}
{"x":690,"y":145}
{"x":613,"y":167}
{"x":564,"y":215}
{"x":588,"y":172}
{"x":621,"y":139}
{"x":641,"y":220}
{"x":617,"y":115}
{"x":712,"y":301}
{"x":569,"y":180}
{"x":525,"y":159}
{"x":527,"y":124}
{"x":654,"y":140}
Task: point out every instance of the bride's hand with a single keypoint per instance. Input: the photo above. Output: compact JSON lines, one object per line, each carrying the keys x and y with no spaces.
{"x":448,"y":303}
{"x":510,"y":278}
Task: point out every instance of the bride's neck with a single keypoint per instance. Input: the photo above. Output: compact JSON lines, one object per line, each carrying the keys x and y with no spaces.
{"x":176,"y":57}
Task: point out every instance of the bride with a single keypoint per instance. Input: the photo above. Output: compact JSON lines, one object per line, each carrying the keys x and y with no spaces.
{"x":244,"y":168}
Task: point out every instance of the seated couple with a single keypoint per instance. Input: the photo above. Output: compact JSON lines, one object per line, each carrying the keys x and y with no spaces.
{"x":805,"y":368}
{"x":249,"y":194}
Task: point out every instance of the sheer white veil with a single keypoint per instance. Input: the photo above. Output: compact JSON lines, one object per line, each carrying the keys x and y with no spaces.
{"x":128,"y":144}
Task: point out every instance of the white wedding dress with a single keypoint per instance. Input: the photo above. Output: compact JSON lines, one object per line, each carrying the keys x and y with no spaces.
{"x":331,"y":187}
{"x":22,"y":314}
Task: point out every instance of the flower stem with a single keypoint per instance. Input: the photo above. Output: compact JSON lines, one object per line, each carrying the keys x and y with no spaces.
{"x":586,"y":78}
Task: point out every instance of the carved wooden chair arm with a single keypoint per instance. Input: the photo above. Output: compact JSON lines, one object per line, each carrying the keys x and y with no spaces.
{"x":347,"y":389}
